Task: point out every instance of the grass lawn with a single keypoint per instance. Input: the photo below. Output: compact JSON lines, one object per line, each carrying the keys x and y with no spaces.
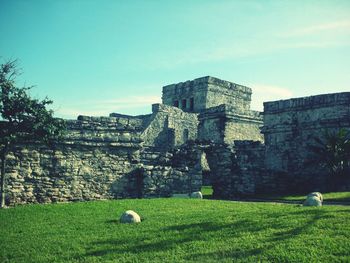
{"x":328,"y":197}
{"x":207,"y":192}
{"x":175,"y":230}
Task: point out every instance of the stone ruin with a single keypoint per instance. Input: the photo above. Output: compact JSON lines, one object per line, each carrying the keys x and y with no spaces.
{"x":203,"y":133}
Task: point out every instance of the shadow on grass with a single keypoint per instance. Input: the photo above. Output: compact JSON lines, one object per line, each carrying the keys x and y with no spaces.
{"x":207,"y":196}
{"x":268,"y":243}
{"x":168,"y":238}
{"x":175,"y":235}
{"x":112,"y":221}
{"x":345,"y":200}
{"x":234,"y":254}
{"x":341,"y":197}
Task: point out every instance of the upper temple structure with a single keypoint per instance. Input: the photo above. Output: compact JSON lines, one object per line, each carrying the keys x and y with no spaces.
{"x":203,"y":93}
{"x":206,"y":108}
{"x":203,"y":133}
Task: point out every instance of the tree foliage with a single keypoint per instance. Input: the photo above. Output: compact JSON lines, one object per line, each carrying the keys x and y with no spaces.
{"x":332,"y":151}
{"x":24,"y":119}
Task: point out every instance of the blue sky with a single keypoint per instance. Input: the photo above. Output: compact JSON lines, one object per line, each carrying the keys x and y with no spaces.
{"x":96,"y":57}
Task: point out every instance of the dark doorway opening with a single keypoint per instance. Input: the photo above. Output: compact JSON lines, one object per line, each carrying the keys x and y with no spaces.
{"x":207,"y":189}
{"x":183,"y":104}
{"x":191,"y":104}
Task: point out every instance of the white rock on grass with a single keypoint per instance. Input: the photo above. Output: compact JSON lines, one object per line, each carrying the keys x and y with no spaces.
{"x":197,"y":195}
{"x":317,"y":194}
{"x":312,"y":201}
{"x":130,"y":217}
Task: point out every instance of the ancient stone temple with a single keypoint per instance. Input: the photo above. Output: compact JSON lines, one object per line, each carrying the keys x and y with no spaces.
{"x":206,"y":109}
{"x":223,"y":108}
{"x":203,"y":132}
{"x":290,"y":127}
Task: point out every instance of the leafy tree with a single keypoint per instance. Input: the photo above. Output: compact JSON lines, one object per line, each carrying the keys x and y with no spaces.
{"x":24,"y":119}
{"x":332,"y":151}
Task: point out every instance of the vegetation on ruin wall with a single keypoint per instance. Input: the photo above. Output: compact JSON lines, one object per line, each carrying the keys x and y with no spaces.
{"x":175,"y":230}
{"x":22,"y":119}
{"x":332,"y":151}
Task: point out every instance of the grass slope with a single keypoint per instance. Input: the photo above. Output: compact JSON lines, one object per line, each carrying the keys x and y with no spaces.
{"x":175,"y":230}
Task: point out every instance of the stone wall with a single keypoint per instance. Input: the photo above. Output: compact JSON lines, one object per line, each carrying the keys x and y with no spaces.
{"x":95,"y":161}
{"x":100,"y":158}
{"x":225,"y":92}
{"x":220,"y":161}
{"x":212,"y":124}
{"x":168,"y":173}
{"x":236,"y":170}
{"x":169,"y":127}
{"x":290,"y":127}
{"x":224,"y":124}
{"x":249,"y":174}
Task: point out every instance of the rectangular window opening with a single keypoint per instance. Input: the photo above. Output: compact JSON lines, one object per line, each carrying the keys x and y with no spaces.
{"x":191,"y":104}
{"x":176,"y":103}
{"x":183,"y":104}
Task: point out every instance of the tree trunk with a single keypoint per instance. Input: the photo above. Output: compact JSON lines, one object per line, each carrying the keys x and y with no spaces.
{"x":2,"y":181}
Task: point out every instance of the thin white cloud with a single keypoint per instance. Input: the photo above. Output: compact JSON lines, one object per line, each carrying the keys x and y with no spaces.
{"x":335,"y":26}
{"x":105,"y":107}
{"x":315,"y":44}
{"x":264,"y":92}
{"x":229,"y":51}
{"x":324,"y":35}
{"x":126,"y":102}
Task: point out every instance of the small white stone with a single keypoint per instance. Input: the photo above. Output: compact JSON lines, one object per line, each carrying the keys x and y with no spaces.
{"x":130,"y":217}
{"x":317,"y":194}
{"x":312,"y":201}
{"x":197,"y":195}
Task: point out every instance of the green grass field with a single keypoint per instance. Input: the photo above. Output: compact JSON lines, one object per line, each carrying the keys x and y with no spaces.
{"x":175,"y":230}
